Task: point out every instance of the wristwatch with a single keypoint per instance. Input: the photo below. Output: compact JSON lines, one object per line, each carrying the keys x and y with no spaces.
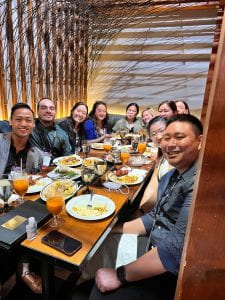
{"x":121,"y":275}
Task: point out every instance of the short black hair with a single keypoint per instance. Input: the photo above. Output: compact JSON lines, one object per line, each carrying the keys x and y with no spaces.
{"x":155,"y":120}
{"x":133,"y":104}
{"x":188,"y":118}
{"x":18,"y":106}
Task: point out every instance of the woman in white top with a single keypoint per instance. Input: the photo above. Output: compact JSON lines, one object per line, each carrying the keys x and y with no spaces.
{"x":156,"y":128}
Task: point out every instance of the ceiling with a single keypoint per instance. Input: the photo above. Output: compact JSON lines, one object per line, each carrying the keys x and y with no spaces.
{"x":160,"y":55}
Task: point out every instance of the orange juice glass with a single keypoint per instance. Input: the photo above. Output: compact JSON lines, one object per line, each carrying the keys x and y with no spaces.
{"x":20,"y":185}
{"x":107,"y":147}
{"x":124,"y":156}
{"x":55,"y":204}
{"x":141,"y":147}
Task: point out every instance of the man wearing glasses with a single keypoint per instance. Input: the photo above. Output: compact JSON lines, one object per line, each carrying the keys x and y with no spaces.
{"x":46,"y":135}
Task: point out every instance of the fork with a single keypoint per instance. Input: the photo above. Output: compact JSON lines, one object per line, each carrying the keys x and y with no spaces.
{"x":89,"y":205}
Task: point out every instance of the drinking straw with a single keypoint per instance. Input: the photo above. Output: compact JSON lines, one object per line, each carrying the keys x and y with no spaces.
{"x":21,"y":165}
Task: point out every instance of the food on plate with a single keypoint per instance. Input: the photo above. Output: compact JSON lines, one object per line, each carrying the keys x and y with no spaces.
{"x":126,"y":179}
{"x":69,"y":160}
{"x":96,"y":210}
{"x":35,"y":181}
{"x":65,"y":172}
{"x":68,"y":188}
{"x":120,"y":172}
{"x":97,"y":145}
{"x":89,"y":162}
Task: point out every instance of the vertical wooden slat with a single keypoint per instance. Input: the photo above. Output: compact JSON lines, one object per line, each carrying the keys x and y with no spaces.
{"x":202,"y":272}
{"x":212,"y":63}
{"x":66,"y":57}
{"x":39,"y":24}
{"x":77,"y":54}
{"x":10,"y":45}
{"x":2,"y":79}
{"x":54,"y":55}
{"x":47,"y":50}
{"x":30,"y":41}
{"x":72,"y":55}
{"x":22,"y":68}
{"x":86,"y":48}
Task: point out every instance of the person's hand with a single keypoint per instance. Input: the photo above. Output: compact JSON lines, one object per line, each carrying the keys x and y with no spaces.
{"x":106,"y":280}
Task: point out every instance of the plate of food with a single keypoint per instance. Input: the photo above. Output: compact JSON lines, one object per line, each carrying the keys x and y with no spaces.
{"x":61,"y":172}
{"x":37,"y":183}
{"x":110,"y":159}
{"x":102,"y":207}
{"x":68,"y":161}
{"x":126,"y":177}
{"x":89,"y":162}
{"x":68,"y":186}
{"x":97,"y":146}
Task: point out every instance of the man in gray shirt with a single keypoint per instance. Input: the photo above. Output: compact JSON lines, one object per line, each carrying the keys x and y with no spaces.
{"x":153,"y":274}
{"x":46,"y":135}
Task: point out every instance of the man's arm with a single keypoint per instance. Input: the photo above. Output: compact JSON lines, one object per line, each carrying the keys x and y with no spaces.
{"x":135,"y":226}
{"x":146,"y":266}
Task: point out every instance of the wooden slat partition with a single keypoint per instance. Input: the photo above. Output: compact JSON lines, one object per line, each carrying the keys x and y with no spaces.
{"x":212,"y":62}
{"x":2,"y":78}
{"x":202,"y":272}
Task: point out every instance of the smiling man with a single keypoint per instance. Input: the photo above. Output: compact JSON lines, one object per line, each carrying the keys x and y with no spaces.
{"x":149,"y":268}
{"x":14,"y":145}
{"x":46,"y":135}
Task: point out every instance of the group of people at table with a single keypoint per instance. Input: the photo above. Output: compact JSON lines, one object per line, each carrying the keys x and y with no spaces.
{"x":147,"y":267}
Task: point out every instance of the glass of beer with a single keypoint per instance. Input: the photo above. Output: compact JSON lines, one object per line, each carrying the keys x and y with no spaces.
{"x":20,"y":184}
{"x":55,"y":203}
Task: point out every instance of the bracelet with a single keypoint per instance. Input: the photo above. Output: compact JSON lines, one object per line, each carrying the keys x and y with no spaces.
{"x":121,"y":275}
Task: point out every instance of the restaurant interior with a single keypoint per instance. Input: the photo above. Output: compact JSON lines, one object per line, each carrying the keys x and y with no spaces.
{"x":119,"y":52}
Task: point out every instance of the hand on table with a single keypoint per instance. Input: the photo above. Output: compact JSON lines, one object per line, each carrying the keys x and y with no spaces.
{"x":106,"y":280}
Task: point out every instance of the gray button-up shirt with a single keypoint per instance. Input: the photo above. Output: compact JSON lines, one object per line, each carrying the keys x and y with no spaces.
{"x":167,"y":221}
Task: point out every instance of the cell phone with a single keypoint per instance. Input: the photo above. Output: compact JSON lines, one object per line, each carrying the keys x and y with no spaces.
{"x":62,"y":242}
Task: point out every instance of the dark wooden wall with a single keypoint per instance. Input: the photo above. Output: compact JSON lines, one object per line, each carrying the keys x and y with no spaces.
{"x":202,"y":273}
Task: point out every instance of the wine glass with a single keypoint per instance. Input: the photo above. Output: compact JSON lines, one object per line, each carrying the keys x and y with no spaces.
{"x":124,"y":156}
{"x":107,"y":146}
{"x":5,"y":191}
{"x":100,"y":168}
{"x":113,"y":141}
{"x":87,"y":175}
{"x":134,"y":142}
{"x":20,"y":184}
{"x":55,"y":203}
{"x":86,"y":148}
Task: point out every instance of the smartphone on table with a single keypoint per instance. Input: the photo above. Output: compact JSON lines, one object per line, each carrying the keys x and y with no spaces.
{"x":62,"y":242}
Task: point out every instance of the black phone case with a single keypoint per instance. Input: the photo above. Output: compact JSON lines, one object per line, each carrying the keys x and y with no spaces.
{"x":57,"y":246}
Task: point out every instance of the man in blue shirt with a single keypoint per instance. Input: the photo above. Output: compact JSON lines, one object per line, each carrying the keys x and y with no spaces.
{"x":153,"y":275}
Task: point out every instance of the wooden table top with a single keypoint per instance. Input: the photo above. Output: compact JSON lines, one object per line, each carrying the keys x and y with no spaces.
{"x":90,"y":233}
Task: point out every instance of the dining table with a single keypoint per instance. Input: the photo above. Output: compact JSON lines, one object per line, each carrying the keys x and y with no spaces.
{"x":91,"y":233}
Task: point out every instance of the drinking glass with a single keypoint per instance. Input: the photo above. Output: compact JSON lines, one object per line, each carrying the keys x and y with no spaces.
{"x":5,"y":192}
{"x":141,"y":147}
{"x":113,"y":141}
{"x":55,"y":203}
{"x":20,"y":184}
{"x":124,"y":156}
{"x":87,"y":177}
{"x":86,"y":148}
{"x":134,"y":143}
{"x":107,"y":146}
{"x":100,"y":168}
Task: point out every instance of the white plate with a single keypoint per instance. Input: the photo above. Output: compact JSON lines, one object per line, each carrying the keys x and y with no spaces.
{"x":82,"y":201}
{"x":59,"y":161}
{"x":65,"y":184}
{"x":139,"y":173}
{"x":39,"y":185}
{"x":67,"y":173}
{"x":97,"y":146}
{"x":89,"y":162}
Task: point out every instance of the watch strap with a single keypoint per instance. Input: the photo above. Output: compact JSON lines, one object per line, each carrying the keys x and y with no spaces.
{"x":121,"y":275}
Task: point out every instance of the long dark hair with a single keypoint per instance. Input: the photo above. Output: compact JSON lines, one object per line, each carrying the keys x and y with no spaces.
{"x":74,"y":107}
{"x":92,"y":113}
{"x":171,"y":104}
{"x":185,"y":105}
